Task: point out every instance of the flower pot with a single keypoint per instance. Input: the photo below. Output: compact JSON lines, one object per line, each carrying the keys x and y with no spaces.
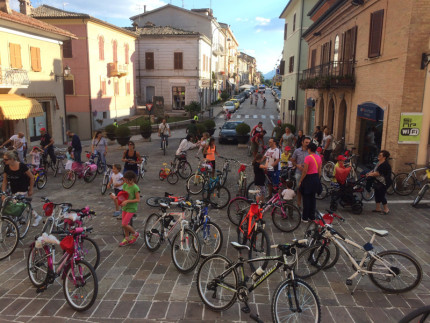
{"x":123,"y":141}
{"x":145,"y":134}
{"x":242,"y":139}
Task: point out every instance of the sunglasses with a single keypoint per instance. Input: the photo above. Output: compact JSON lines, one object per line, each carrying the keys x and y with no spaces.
{"x":5,"y":159}
{"x":131,"y":144}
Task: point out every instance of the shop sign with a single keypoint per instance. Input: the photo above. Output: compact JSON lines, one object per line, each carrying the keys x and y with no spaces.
{"x":410,"y":128}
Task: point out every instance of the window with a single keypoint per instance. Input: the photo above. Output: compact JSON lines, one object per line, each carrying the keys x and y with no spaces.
{"x":177,"y":63}
{"x":115,"y":51}
{"x":375,"y":37}
{"x":149,"y":61}
{"x":294,"y":22}
{"x":282,"y":67}
{"x":178,"y":93}
{"x":336,"y":50}
{"x":313,"y":57}
{"x":127,"y":88}
{"x":325,"y":52}
{"x":126,"y":49}
{"x":285,"y":31}
{"x":101,"y":48}
{"x":116,"y":87}
{"x":69,"y":88}
{"x":103,"y":87}
{"x":15,"y":55}
{"x":104,"y":115}
{"x":35,"y":59}
{"x":348,"y":44}
{"x":291,"y":66}
{"x":67,"y":49}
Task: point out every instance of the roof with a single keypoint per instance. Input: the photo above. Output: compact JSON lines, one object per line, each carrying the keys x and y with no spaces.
{"x":171,"y":6}
{"x":22,"y":19}
{"x":285,"y":9}
{"x":161,"y":30}
{"x":316,"y":7}
{"x":323,"y":17}
{"x":48,"y":12}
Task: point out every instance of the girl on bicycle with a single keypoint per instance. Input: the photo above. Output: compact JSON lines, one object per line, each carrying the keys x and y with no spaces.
{"x":116,"y":182}
{"x":131,"y":158}
{"x":210,"y":152}
{"x":36,"y":155}
{"x":129,"y":207}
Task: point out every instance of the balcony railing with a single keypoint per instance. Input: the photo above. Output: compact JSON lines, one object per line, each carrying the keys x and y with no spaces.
{"x":13,"y":78}
{"x":329,"y":75}
{"x":218,"y":49}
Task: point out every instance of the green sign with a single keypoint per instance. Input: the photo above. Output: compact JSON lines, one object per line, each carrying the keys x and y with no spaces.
{"x":410,"y":128}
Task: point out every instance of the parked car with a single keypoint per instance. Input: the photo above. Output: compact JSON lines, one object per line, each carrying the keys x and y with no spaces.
{"x":227,"y":132}
{"x":247,"y":93}
{"x":229,"y":106}
{"x":239,"y":97}
{"x":236,"y":102}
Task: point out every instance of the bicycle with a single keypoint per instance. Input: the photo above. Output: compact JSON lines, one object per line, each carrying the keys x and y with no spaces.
{"x":40,"y":178}
{"x":186,"y":248}
{"x":142,"y":168}
{"x":106,"y":178}
{"x":9,"y":233}
{"x":213,"y":191}
{"x":220,"y":282}
{"x":88,"y":171}
{"x":351,"y":161}
{"x":164,"y":143}
{"x":61,"y":156}
{"x":168,"y":198}
{"x":195,"y":182}
{"x":422,"y":191}
{"x":18,"y":208}
{"x":420,"y":315}
{"x":92,"y":157}
{"x":405,"y":183}
{"x":80,"y":284}
{"x":181,"y":166}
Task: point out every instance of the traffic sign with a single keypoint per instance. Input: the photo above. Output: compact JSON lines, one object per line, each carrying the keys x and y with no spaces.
{"x":149,"y":106}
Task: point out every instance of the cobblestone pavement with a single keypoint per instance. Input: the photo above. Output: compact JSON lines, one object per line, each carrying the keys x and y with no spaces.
{"x":137,"y":286}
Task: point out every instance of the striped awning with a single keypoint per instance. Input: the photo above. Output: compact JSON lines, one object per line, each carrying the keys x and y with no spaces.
{"x":16,"y":107}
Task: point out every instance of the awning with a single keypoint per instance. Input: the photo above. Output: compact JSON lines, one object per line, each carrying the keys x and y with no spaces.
{"x":245,"y":86}
{"x":370,"y":111}
{"x":16,"y":107}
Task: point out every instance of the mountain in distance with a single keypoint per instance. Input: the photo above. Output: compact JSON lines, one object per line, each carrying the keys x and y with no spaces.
{"x":269,"y":75}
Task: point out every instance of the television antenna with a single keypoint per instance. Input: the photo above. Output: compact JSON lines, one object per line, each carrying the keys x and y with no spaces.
{"x":65,"y":4}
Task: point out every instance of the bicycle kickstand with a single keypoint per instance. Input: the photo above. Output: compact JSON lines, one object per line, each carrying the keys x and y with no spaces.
{"x":356,"y":285}
{"x":256,"y":318}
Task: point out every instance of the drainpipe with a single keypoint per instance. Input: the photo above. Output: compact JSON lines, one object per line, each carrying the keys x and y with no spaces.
{"x":138,"y":69}
{"x":298,"y":64}
{"x":89,"y":84}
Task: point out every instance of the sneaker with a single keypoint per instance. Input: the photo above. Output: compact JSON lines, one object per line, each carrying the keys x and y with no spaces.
{"x":124,"y":242}
{"x":161,"y":148}
{"x":135,"y":235}
{"x":116,"y":213}
{"x":37,"y":220}
{"x":305,"y":221}
{"x":132,"y":240}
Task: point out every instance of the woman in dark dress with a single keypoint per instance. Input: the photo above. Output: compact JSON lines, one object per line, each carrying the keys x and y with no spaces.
{"x":131,"y":158}
{"x":382,"y":180}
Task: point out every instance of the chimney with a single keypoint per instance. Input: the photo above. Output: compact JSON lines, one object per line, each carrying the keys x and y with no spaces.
{"x":25,"y":7}
{"x":144,"y":8}
{"x":5,"y":6}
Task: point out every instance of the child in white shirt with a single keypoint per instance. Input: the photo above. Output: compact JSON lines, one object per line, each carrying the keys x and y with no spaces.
{"x":116,"y":181}
{"x":69,"y":157}
{"x":36,"y":153}
{"x":288,"y":194}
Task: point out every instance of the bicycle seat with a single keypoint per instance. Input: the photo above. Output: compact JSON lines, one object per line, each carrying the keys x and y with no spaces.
{"x":109,"y":165}
{"x":164,"y":205}
{"x":381,"y":233}
{"x":238,"y":246}
{"x":409,"y":164}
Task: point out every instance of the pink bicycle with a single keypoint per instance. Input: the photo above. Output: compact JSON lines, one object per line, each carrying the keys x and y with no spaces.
{"x":87,"y":171}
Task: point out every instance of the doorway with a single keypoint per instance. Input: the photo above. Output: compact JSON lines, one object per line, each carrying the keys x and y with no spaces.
{"x":320,"y":115}
{"x":150,"y":92}
{"x":341,"y":130}
{"x":330,"y":115}
{"x":36,"y":123}
{"x":73,"y":123}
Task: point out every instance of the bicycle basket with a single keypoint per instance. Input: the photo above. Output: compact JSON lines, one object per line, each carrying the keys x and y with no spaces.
{"x":14,"y":209}
{"x":68,"y":244}
{"x":76,"y":167}
{"x":48,"y":208}
{"x":241,"y":168}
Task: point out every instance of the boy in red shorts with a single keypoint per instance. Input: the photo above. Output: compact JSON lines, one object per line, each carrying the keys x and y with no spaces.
{"x":129,"y":207}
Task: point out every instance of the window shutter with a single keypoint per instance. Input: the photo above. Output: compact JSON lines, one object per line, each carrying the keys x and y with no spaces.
{"x":285,"y":31}
{"x":33,"y":58}
{"x":313,"y":57}
{"x":341,"y":45}
{"x":375,"y":37}
{"x":67,"y":48}
{"x":39,"y":62}
{"x":178,"y":61}
{"x":353,"y":42}
{"x":149,"y":61}
{"x":127,"y":60}
{"x":294,"y":22}
{"x":291,"y":66}
{"x":115,"y":51}
{"x":101,"y":48}
{"x":69,"y":87}
{"x":282,"y":67}
{"x":15,"y":55}
{"x":128,"y":88}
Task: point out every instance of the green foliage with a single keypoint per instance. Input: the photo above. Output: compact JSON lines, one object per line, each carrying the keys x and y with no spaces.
{"x":110,"y":128}
{"x":268,"y":82}
{"x":292,"y":127}
{"x":200,"y":129}
{"x":224,"y":95}
{"x":193,"y":108}
{"x":122,"y":132}
{"x":209,"y":124}
{"x":145,"y":127}
{"x":243,"y":129}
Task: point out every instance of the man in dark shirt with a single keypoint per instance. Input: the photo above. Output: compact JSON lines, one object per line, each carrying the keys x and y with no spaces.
{"x":76,"y":145}
{"x":47,"y":144}
{"x":318,"y":135}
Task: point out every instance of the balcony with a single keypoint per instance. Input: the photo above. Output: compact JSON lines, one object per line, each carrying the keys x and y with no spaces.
{"x":329,"y":75}
{"x":13,"y":78}
{"x":115,"y":69}
{"x":218,"y":50}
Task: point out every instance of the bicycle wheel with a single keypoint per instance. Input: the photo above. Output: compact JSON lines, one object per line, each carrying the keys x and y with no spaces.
{"x":100,"y":167}
{"x":37,"y":265}
{"x":23,"y":221}
{"x":210,"y":237}
{"x":311,"y":260}
{"x":420,"y":315}
{"x":327,"y":171}
{"x":216,"y":286}
{"x":406,"y":270}
{"x":390,"y":189}
{"x":295,"y":301}
{"x":184,"y":169}
{"x":69,"y":178}
{"x":105,"y":183}
{"x":195,"y":184}
{"x":41,"y":182}
{"x":89,"y":175}
{"x":323,"y":194}
{"x":219,"y":195}
{"x":243,"y":187}
{"x":161,"y":176}
{"x":259,"y":247}
{"x":420,"y":195}
{"x":287,"y":218}
{"x":249,"y":150}
{"x":153,"y":231}
{"x":80,"y":285}
{"x":404,"y":184}
{"x":155,"y":201}
{"x":224,"y":176}
{"x":9,"y":236}
{"x":237,"y":209}
{"x":251,"y":195}
{"x":164,"y":147}
{"x":142,"y":169}
{"x":172,"y":178}
{"x":186,"y":251}
{"x":89,"y":251}
{"x":366,"y":195}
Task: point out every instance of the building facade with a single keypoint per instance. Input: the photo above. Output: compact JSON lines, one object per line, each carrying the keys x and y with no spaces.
{"x":364,"y":72}
{"x":100,"y":87}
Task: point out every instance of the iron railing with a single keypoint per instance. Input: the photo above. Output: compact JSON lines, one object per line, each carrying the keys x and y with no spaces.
{"x":333,"y":74}
{"x":13,"y":78}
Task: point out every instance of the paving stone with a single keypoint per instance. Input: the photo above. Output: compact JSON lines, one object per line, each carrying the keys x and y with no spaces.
{"x":176,"y":311}
{"x":140,"y":309}
{"x":158,"y":310}
{"x":122,"y":309}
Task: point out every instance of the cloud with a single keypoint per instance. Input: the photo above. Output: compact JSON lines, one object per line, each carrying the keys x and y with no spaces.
{"x":262,"y":21}
{"x":242,"y":19}
{"x":264,"y":24}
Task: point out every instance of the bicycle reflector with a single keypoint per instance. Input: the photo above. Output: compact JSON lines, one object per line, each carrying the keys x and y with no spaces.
{"x":88,"y":155}
{"x":122,"y":196}
{"x":68,"y":245}
{"x":241,"y":168}
{"x":328,"y":219}
{"x":48,"y":208}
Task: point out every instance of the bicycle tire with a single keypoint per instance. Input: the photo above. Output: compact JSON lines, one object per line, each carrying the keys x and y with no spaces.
{"x":311,"y":260}
{"x":37,"y":265}
{"x":184,"y":169}
{"x":69,"y":179}
{"x":415,"y":264}
{"x":259,"y":247}
{"x":172,"y":178}
{"x":237,"y":209}
{"x":212,"y":294}
{"x":327,"y":171}
{"x":23,"y":221}
{"x":324,"y":192}
{"x":42,"y":180}
{"x":10,"y":232}
{"x":308,"y":313}
{"x":56,"y":167}
{"x":161,"y":175}
{"x":191,"y":251}
{"x":368,"y":196}
{"x":220,"y":196}
{"x":85,"y":253}
{"x":286,"y":219}
{"x":195,"y":184}
{"x":142,"y":169}
{"x":84,"y":271}
{"x":224,"y":176}
{"x":420,"y":195}
{"x":155,"y":201}
{"x":390,"y":189}
{"x":100,"y":167}
{"x":164,"y":147}
{"x":424,"y":312}
{"x":153,"y":231}
{"x":105,"y":184}
{"x":210,"y":237}
{"x":357,"y":208}
{"x":403,"y":184}
{"x":89,"y":175}
{"x":251,"y":187}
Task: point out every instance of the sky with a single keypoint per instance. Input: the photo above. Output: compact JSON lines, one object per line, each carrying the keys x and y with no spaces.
{"x":255,"y":23}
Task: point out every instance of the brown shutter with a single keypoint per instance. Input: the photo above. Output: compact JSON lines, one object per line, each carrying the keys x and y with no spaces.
{"x":282,"y":67}
{"x":285,"y":31}
{"x":353,"y":42}
{"x":291,"y":66}
{"x":375,"y":37}
{"x":15,"y":55}
{"x":67,"y":49}
{"x":127,"y":60}
{"x":101,"y":48}
{"x":69,"y":87}
{"x":149,"y":61}
{"x":128,"y":88}
{"x":178,"y":61}
{"x":294,"y":22}
{"x":35,"y":59}
{"x":313,"y":57}
{"x":115,"y":51}
{"x":341,"y":45}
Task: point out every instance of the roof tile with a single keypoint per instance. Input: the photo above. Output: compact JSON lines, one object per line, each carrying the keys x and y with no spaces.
{"x":160,"y":30}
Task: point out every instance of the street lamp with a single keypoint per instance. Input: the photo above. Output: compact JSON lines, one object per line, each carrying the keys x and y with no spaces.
{"x":66,"y":73}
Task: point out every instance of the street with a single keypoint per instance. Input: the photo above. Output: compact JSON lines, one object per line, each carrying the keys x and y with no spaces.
{"x":136,"y":285}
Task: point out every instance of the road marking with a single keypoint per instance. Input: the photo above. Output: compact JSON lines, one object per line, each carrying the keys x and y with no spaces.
{"x":255,"y":116}
{"x":272,"y":116}
{"x":399,"y":201}
{"x":247,"y":116}
{"x":221,"y":117}
{"x":263,"y":116}
{"x":273,"y":124}
{"x":238,"y":116}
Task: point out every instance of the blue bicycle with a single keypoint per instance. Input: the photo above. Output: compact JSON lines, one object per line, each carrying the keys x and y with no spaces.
{"x":214,"y":192}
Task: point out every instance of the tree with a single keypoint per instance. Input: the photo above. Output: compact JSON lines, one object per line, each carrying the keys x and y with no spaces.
{"x":261,"y":77}
{"x":193,"y":108}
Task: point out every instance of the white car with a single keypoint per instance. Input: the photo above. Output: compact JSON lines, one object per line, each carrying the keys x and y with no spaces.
{"x":229,"y":106}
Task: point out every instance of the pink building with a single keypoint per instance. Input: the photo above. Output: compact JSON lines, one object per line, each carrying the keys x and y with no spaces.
{"x":100,"y":87}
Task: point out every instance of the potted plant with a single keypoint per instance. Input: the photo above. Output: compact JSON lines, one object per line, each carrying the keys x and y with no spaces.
{"x":200,"y":129}
{"x":242,"y":133}
{"x":210,"y":126}
{"x":110,"y":131}
{"x":145,"y":129}
{"x":123,"y":135}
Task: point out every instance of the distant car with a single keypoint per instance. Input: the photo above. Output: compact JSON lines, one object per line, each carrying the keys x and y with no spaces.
{"x":239,"y":97}
{"x":236,"y":102}
{"x":247,"y":93}
{"x":227,"y":132}
{"x":262,"y":88}
{"x":229,"y":106}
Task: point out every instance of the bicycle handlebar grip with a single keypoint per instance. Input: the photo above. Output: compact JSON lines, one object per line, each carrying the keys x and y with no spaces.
{"x":89,"y":229}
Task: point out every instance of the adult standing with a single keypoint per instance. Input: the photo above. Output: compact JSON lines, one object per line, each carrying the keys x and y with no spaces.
{"x":18,"y":142}
{"x":300,"y":137}
{"x":131,"y":158}
{"x":327,"y":144}
{"x":309,"y":183}
{"x":288,"y":139}
{"x":76,"y":145}
{"x":20,"y":179}
{"x":185,"y":145}
{"x":99,"y":147}
{"x":273,"y":156}
{"x":277,"y":131}
{"x":318,"y":135}
{"x":382,"y":176}
{"x":164,"y":132}
{"x":298,"y":160}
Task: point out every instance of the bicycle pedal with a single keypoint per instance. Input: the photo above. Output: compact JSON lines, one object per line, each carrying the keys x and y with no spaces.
{"x":246,"y":309}
{"x":41,"y":289}
{"x":349,"y":282}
